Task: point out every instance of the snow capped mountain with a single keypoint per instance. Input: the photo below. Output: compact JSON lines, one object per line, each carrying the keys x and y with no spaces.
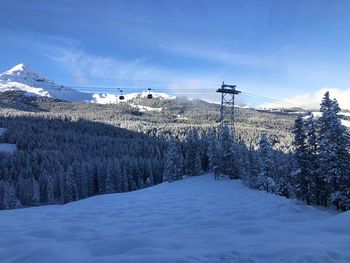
{"x":23,"y":78}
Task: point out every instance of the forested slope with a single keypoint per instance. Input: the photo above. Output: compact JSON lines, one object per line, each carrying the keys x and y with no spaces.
{"x":59,"y":160}
{"x":176,"y":117}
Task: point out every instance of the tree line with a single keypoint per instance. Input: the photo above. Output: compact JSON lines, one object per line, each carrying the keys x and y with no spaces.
{"x":64,"y":158}
{"x":177,"y":117}
{"x":322,"y":156}
{"x":316,"y":171}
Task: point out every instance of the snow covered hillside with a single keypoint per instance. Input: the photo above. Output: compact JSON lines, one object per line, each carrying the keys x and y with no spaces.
{"x":193,"y":220}
{"x":142,"y":95}
{"x":23,"y":78}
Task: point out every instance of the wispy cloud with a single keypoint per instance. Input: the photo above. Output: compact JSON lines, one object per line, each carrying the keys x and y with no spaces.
{"x":219,"y":56}
{"x":79,"y":63}
{"x":134,"y":74}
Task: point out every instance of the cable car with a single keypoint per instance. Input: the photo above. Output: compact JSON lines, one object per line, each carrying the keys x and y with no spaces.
{"x":149,"y":96}
{"x":121,"y":97}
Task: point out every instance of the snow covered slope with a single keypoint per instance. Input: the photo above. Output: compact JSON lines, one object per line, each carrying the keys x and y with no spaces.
{"x":143,"y":95}
{"x":23,"y":78}
{"x":194,"y":220}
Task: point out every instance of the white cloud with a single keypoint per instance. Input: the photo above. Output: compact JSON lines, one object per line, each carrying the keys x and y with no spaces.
{"x":312,"y":100}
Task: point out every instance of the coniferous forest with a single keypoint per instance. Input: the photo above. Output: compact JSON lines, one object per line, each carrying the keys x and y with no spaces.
{"x":65,"y":157}
{"x":316,"y":170}
{"x":58,"y":161}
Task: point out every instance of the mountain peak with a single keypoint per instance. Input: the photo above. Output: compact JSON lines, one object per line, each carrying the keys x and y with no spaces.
{"x":20,"y":66}
{"x":21,"y":73}
{"x":20,"y":69}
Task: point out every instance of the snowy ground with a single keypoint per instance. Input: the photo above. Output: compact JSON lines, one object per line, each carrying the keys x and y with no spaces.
{"x":145,"y":108}
{"x":194,"y":220}
{"x":345,"y":123}
{"x":6,"y":147}
{"x":2,"y":130}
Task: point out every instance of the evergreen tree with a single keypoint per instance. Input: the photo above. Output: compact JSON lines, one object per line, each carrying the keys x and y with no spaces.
{"x":83,"y":179}
{"x":125,"y":179}
{"x":192,"y":153}
{"x":35,"y":193}
{"x":150,"y":179}
{"x":50,"y":189}
{"x":118,"y":177}
{"x":316,"y":182}
{"x":267,"y":171}
{"x":204,"y":148}
{"x":253,"y":168}
{"x":68,"y":187}
{"x":172,"y":163}
{"x":243,"y":161}
{"x":334,"y":154}
{"x":10,"y":200}
{"x":228,"y":161}
{"x":109,"y":182}
{"x":302,"y":175}
{"x":101,"y":177}
{"x":213,"y":153}
{"x":284,"y":167}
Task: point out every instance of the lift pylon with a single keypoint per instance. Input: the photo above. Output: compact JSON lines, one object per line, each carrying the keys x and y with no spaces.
{"x":227,"y":108}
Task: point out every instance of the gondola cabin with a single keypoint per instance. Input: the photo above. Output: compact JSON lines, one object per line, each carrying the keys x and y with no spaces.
{"x":149,"y":95}
{"x":121,"y":97}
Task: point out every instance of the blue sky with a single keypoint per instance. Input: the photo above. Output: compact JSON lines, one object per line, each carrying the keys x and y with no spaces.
{"x":278,"y":49}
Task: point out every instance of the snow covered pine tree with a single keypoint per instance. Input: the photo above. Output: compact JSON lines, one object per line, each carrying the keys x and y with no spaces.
{"x":334,"y":155}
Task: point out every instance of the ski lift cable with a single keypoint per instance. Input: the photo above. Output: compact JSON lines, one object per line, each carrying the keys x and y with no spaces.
{"x":143,"y":82}
{"x":184,"y":90}
{"x":281,"y":103}
{"x":122,"y":79}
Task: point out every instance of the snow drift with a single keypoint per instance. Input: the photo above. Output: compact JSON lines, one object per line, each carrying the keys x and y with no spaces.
{"x":193,"y":220}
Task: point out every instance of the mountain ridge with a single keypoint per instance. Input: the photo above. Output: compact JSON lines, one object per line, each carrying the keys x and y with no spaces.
{"x":22,"y":78}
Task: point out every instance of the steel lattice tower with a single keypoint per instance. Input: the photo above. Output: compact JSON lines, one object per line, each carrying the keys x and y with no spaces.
{"x":227,"y":109}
